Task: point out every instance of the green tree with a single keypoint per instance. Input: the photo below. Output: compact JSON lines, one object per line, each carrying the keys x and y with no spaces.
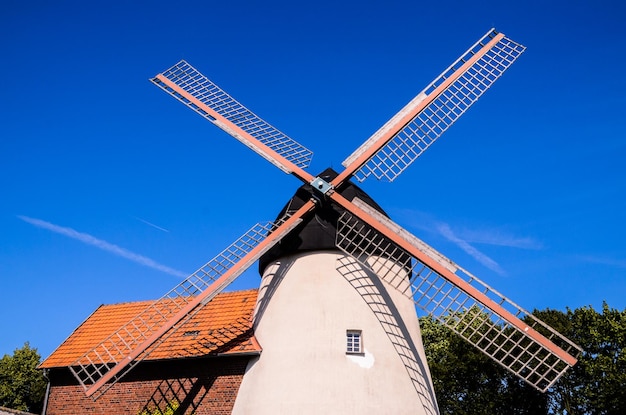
{"x":597,"y":384}
{"x":466,"y":382}
{"x":171,"y":408}
{"x":22,"y":385}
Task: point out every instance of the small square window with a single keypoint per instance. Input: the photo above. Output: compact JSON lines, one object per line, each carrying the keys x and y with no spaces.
{"x":354,"y":341}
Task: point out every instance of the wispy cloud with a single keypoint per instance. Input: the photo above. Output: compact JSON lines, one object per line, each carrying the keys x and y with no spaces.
{"x":499,"y":237}
{"x":104,"y":245}
{"x":603,"y":260}
{"x":151,"y":224}
{"x":466,"y":239}
{"x":484,"y":236}
{"x":446,"y":232}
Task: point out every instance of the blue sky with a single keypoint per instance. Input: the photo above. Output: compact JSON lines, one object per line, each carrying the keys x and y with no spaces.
{"x":111,"y":190}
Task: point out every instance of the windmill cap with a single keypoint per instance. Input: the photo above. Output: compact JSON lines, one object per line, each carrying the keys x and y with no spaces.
{"x":318,"y":231}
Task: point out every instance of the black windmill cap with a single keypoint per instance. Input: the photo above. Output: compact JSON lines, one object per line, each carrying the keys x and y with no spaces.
{"x":318,"y":231}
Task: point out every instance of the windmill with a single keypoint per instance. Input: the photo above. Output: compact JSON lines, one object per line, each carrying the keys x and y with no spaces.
{"x":388,"y":269}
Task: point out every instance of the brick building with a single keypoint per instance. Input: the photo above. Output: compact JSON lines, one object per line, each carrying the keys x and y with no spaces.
{"x":197,"y":370}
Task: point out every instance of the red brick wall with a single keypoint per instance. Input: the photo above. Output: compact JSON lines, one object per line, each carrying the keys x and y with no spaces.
{"x":199,"y":386}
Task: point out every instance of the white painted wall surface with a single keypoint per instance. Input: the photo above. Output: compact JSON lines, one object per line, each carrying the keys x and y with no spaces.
{"x":301,"y":325}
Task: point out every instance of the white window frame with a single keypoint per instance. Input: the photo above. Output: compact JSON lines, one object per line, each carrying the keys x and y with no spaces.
{"x":354,"y":342}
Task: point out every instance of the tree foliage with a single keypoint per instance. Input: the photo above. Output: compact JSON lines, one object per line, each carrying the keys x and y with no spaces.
{"x":22,"y":385}
{"x":170,"y":409}
{"x":597,"y":384}
{"x":467,"y":382}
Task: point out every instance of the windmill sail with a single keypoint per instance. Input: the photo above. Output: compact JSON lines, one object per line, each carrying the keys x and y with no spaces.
{"x":411,"y":131}
{"x":196,"y":91}
{"x":134,"y":341}
{"x":502,"y":330}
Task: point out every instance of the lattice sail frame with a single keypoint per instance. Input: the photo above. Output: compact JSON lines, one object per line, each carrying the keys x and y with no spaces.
{"x":436,"y":117}
{"x":92,"y":368}
{"x":474,"y":320}
{"x":190,"y":80}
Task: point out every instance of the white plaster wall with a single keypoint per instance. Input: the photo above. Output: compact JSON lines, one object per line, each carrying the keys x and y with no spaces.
{"x":304,"y":367}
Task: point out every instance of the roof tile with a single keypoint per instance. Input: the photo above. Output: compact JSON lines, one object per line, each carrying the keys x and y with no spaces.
{"x":223,"y":326}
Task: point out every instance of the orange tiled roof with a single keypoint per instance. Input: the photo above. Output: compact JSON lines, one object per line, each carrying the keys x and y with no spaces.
{"x":223,"y":326}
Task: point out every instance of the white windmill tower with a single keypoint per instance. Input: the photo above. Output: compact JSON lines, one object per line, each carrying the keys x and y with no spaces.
{"x":336,"y":310}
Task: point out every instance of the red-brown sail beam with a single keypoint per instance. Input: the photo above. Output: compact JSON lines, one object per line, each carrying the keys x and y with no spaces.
{"x":396,"y":124}
{"x":453,"y":278}
{"x":216,"y":287}
{"x":240,"y":134}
